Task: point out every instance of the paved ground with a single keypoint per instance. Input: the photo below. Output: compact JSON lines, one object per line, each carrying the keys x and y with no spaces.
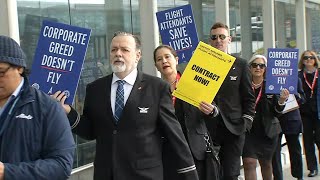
{"x":286,"y":168}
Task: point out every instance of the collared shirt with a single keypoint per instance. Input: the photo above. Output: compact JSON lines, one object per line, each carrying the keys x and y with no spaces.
{"x":130,"y":79}
{"x":13,"y":95}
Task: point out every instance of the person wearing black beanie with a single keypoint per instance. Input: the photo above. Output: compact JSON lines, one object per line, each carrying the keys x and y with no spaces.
{"x":35,"y":137}
{"x":11,"y":52}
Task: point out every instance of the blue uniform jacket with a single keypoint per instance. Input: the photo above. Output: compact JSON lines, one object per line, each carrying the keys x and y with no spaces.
{"x":300,"y":74}
{"x":291,"y":122}
{"x":35,"y":138}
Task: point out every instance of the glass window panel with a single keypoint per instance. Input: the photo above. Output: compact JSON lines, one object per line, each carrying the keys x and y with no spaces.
{"x":285,"y":24}
{"x":246,"y":27}
{"x":314,"y":11}
{"x":208,"y":18}
{"x":30,"y":16}
{"x":103,"y":17}
{"x":234,"y":26}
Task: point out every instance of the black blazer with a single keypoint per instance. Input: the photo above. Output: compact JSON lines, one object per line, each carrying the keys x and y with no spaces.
{"x":269,"y":110}
{"x":310,"y":105}
{"x":291,"y":122}
{"x":235,"y":98}
{"x":193,"y":124}
{"x":132,"y":149}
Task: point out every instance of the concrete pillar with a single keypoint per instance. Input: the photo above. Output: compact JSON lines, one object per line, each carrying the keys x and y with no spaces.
{"x":280,"y":25}
{"x":9,"y":19}
{"x":308,"y":29}
{"x":222,"y":11}
{"x":268,"y":25}
{"x":149,"y":35}
{"x":301,"y":25}
{"x":246,"y":30}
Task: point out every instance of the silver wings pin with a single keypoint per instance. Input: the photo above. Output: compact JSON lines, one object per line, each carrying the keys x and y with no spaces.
{"x":143,"y":109}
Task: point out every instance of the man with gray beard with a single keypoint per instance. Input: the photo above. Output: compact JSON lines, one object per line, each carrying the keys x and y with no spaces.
{"x":127,"y":113}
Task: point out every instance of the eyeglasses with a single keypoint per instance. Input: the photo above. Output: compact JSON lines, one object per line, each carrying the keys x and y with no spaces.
{"x":2,"y":73}
{"x":221,"y":36}
{"x":255,"y":65}
{"x":309,"y":57}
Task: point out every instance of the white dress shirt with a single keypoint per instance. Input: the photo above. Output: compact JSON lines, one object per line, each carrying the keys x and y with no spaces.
{"x":127,"y":87}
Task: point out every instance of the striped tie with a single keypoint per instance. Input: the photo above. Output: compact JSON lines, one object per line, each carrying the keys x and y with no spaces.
{"x":119,"y":100}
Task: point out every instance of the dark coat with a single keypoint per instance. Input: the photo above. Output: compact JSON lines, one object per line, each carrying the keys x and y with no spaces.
{"x":36,"y":139}
{"x":132,"y":148}
{"x":268,"y":112}
{"x":235,"y":98}
{"x":291,"y":122}
{"x":194,"y":127}
{"x":305,"y":108}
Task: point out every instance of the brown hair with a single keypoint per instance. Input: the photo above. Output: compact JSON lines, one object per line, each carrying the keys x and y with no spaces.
{"x":301,"y":65}
{"x":173,"y":52}
{"x":219,"y":25}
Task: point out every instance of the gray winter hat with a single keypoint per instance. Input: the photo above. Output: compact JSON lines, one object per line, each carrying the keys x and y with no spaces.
{"x":11,"y":52}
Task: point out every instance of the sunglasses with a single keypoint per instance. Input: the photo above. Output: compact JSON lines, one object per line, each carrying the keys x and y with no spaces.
{"x":221,"y":36}
{"x":255,"y":65}
{"x":308,"y":57}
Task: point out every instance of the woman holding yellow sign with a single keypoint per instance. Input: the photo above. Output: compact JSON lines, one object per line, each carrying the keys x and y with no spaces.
{"x":192,"y":119}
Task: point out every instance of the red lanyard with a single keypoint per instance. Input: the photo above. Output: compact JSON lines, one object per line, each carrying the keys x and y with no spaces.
{"x":313,"y":81}
{"x":259,"y":95}
{"x":176,"y":81}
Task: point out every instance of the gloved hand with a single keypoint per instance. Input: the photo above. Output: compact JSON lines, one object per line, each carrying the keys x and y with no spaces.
{"x":248,"y":123}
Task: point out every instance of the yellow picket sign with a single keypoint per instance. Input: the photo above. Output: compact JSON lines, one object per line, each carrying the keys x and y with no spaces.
{"x":204,"y":75}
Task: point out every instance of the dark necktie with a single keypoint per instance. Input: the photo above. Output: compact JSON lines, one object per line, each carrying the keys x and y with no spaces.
{"x":119,"y":104}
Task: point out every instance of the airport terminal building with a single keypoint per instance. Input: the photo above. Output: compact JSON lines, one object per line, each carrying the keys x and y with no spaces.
{"x":255,"y":26}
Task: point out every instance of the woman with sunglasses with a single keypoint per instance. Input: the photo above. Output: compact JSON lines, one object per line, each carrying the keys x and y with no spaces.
{"x":310,"y":110}
{"x":192,"y":119}
{"x":261,"y":140}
